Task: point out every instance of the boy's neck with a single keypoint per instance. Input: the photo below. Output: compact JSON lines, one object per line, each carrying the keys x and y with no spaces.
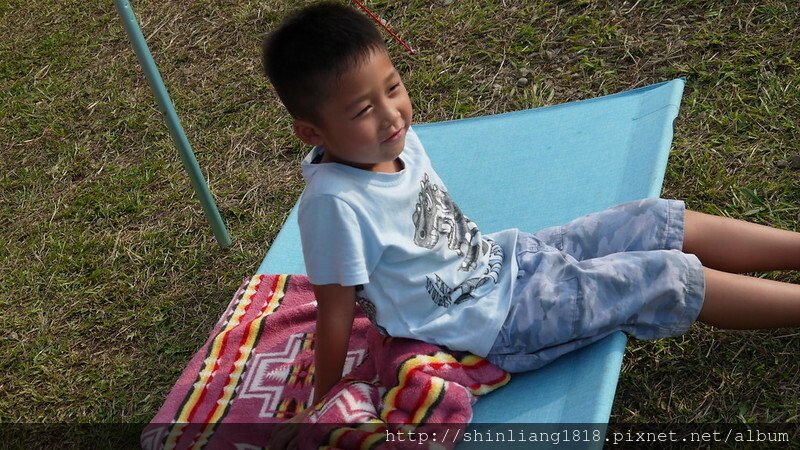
{"x":393,"y":166}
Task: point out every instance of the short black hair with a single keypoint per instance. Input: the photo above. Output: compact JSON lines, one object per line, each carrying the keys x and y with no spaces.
{"x":311,"y":49}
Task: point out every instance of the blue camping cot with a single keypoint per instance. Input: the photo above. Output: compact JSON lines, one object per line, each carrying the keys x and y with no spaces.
{"x":550,"y":164}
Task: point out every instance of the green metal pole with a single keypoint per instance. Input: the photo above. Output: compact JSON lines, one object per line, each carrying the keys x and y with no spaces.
{"x":173,"y":122}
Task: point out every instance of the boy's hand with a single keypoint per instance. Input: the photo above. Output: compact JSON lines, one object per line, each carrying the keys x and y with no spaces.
{"x":285,"y":435}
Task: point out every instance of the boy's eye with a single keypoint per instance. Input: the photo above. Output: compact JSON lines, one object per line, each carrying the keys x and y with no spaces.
{"x":394,"y":87}
{"x":362,"y":112}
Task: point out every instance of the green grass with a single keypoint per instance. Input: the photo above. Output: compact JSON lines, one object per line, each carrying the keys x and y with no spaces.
{"x":111,"y":278}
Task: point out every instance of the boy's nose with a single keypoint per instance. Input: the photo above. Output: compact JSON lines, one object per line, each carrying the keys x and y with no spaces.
{"x":390,"y":116}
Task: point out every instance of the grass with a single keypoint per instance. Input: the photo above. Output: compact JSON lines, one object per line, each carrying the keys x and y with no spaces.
{"x":110,"y":276}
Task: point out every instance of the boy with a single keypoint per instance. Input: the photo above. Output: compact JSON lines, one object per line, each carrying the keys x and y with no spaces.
{"x":378,"y":228}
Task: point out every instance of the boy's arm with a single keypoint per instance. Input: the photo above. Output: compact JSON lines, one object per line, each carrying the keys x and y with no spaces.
{"x":335,"y":313}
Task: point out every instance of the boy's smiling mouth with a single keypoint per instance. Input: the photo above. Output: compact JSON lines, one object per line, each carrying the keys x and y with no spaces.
{"x":395,"y":136}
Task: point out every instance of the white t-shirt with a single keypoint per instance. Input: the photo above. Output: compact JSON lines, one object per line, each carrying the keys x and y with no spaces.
{"x":427,"y":271}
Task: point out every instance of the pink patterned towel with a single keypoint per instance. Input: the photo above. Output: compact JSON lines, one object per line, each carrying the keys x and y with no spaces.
{"x":256,"y":370}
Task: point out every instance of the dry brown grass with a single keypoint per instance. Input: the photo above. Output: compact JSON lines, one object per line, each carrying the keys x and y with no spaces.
{"x":111,"y":279}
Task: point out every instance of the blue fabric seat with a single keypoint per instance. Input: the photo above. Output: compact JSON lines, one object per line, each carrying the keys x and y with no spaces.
{"x":535,"y":168}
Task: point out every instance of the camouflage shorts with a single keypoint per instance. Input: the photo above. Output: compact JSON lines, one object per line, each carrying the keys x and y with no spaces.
{"x":619,"y":269}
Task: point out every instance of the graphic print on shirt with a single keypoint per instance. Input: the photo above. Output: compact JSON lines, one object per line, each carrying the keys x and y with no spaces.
{"x":436,"y":216}
{"x":368,"y":308}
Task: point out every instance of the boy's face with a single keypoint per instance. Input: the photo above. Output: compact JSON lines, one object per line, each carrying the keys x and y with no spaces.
{"x":363,"y":123}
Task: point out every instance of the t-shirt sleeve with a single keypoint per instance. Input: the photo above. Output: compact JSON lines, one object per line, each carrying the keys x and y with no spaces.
{"x":333,"y":243}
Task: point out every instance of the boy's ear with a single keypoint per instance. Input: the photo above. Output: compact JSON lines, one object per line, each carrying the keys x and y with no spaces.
{"x":307,"y":132}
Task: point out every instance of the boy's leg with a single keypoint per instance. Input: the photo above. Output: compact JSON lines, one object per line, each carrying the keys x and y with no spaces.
{"x":737,"y":246}
{"x":741,"y":302}
{"x":641,"y":225}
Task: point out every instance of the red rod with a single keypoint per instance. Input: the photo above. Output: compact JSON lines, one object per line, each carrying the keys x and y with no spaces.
{"x":384,"y":26}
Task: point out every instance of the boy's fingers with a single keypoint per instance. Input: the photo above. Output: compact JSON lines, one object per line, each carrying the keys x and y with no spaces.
{"x":283,"y":436}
